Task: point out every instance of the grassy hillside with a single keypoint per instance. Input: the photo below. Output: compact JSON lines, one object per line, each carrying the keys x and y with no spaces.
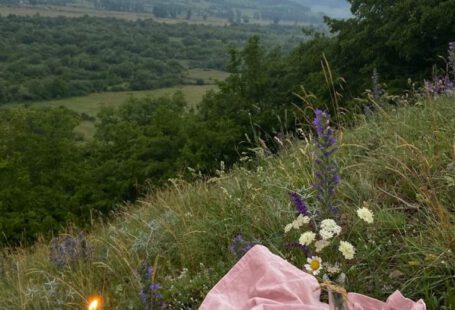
{"x":401,"y":163}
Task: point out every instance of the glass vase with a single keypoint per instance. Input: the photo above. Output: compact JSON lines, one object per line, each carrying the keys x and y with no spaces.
{"x":336,"y":301}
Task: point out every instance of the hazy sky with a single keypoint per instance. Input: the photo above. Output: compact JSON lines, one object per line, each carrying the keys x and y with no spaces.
{"x":333,"y":8}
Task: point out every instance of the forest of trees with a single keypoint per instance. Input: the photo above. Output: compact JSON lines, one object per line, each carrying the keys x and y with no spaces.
{"x":49,"y":178}
{"x":44,"y":58}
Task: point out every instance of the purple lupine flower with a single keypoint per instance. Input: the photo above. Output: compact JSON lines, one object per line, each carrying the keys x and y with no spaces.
{"x":56,"y":253}
{"x":440,"y":85}
{"x":149,"y":293}
{"x":70,"y":247}
{"x":143,"y":296}
{"x":239,"y":246}
{"x":67,"y":250}
{"x":149,"y":272}
{"x":327,"y":176}
{"x":318,"y":124}
{"x":304,"y":248}
{"x":444,"y":84}
{"x":299,"y":203}
{"x":235,"y":244}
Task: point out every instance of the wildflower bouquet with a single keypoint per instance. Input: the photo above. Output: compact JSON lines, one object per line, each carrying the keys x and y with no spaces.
{"x":320,"y":228}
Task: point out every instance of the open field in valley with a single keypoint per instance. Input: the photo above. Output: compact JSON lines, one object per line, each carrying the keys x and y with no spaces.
{"x":93,"y":103}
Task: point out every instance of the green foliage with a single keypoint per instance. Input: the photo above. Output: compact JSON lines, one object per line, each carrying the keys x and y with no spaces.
{"x":402,"y":41}
{"x":249,"y":100}
{"x":258,"y":101}
{"x":335,"y":69}
{"x":138,"y":142}
{"x":49,"y":178}
{"x":45,"y":58}
{"x":42,"y":181}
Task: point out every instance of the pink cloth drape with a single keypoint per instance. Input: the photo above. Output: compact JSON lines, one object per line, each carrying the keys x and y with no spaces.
{"x":264,"y":281}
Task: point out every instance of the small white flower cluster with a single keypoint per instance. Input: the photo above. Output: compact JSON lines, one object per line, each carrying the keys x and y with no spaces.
{"x":297,"y":223}
{"x":329,"y":228}
{"x":346,"y":249}
{"x":332,"y":269}
{"x":307,"y":238}
{"x":366,"y":215}
{"x":321,"y":244}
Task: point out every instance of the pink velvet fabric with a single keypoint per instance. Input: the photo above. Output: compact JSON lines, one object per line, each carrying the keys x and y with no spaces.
{"x":264,"y":281}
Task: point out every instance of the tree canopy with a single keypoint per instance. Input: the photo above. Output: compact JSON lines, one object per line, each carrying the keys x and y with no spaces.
{"x":402,"y":39}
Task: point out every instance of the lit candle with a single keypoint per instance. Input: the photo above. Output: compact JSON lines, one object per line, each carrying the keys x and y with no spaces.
{"x":94,"y":303}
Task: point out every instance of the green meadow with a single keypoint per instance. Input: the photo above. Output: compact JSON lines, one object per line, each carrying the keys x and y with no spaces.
{"x":93,"y":103}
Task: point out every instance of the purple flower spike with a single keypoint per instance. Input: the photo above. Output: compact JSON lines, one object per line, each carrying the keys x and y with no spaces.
{"x":240,"y":246}
{"x":149,"y":272}
{"x":444,"y":84}
{"x":327,"y":177}
{"x":304,"y":248}
{"x":67,"y":250}
{"x":317,"y":122}
{"x":299,"y":203}
{"x":150,"y":292}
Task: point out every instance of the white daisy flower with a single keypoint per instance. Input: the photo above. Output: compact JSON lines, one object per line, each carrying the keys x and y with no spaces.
{"x":365,"y":214}
{"x":320,"y":245}
{"x":314,"y":265}
{"x":346,"y":249}
{"x":307,"y":238}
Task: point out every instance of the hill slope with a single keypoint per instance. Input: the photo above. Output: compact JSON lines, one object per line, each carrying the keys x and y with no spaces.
{"x":401,"y":163}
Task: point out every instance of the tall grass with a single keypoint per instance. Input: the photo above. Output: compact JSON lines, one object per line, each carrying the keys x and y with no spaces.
{"x":401,"y":163}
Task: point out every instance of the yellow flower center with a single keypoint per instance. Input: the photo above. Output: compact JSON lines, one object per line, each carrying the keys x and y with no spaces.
{"x":315,"y":264}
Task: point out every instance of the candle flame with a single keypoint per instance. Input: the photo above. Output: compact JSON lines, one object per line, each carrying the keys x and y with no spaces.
{"x":93,"y":305}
